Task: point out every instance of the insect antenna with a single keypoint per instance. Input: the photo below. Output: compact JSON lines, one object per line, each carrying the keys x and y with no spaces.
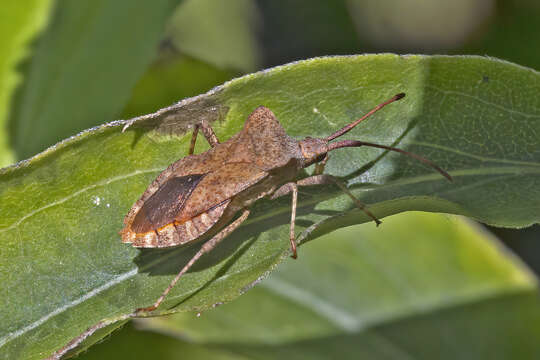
{"x":356,"y":143}
{"x":349,"y":127}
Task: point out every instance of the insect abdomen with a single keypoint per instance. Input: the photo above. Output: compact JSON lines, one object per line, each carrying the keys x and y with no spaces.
{"x":176,"y":233}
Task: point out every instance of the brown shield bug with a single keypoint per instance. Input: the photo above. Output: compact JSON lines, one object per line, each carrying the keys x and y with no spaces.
{"x":203,"y":193}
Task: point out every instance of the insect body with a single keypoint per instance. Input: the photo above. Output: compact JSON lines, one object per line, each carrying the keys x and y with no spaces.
{"x":203,"y":193}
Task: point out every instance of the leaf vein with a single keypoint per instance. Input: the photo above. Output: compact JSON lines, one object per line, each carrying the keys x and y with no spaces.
{"x":497,"y":106}
{"x":12,"y":335}
{"x":473,"y":156}
{"x":76,"y":193}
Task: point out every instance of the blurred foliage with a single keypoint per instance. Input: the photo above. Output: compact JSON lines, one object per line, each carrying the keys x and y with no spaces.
{"x":351,"y":295}
{"x":305,"y":28}
{"x":83,"y":68}
{"x":131,"y":343}
{"x":19,"y":23}
{"x":170,"y":78}
{"x":418,"y":25}
{"x":510,"y":33}
{"x":68,"y":65}
{"x":218,"y":32}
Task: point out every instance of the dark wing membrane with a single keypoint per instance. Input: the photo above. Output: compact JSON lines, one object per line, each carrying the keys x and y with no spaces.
{"x":166,"y":203}
{"x":220,"y":185}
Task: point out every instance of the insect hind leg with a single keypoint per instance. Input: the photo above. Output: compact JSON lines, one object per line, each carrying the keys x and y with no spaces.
{"x":284,"y":190}
{"x":207,"y":247}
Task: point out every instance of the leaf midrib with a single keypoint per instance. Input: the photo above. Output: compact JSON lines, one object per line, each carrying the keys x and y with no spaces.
{"x":472,"y":156}
{"x":476,"y":98}
{"x":533,"y":168}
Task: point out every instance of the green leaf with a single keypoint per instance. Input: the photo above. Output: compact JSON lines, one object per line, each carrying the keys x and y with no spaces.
{"x":19,"y":22}
{"x":160,"y":85}
{"x":84,"y":68}
{"x":64,"y":267}
{"x":504,"y":38}
{"x":306,"y":28}
{"x":219,"y":33}
{"x":129,"y":343}
{"x":396,"y":292}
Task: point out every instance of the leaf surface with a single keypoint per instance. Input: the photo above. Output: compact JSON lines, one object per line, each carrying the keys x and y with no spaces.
{"x":423,"y":286}
{"x":226,"y":36}
{"x":63,"y":265}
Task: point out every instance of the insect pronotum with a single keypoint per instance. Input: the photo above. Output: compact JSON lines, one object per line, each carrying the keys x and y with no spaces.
{"x":201,"y":194}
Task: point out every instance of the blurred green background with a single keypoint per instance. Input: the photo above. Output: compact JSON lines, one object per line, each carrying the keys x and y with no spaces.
{"x":71,"y":65}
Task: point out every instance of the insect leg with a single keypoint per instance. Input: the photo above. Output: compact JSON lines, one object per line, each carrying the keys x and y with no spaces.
{"x":284,"y":190}
{"x":193,"y":139}
{"x":325,"y":179}
{"x":292,"y":237}
{"x":207,"y":247}
{"x":209,"y":133}
{"x":319,"y":167}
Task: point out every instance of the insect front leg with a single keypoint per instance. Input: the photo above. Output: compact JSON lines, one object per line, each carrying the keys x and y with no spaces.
{"x":193,"y":139}
{"x":208,"y":133}
{"x":325,"y":179}
{"x":319,"y":167}
{"x":284,"y":190}
{"x":207,"y":247}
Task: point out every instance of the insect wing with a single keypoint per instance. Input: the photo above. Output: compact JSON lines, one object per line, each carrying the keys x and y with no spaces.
{"x":185,"y":207}
{"x":165,"y":204}
{"x":146,"y":218}
{"x":220,"y":185}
